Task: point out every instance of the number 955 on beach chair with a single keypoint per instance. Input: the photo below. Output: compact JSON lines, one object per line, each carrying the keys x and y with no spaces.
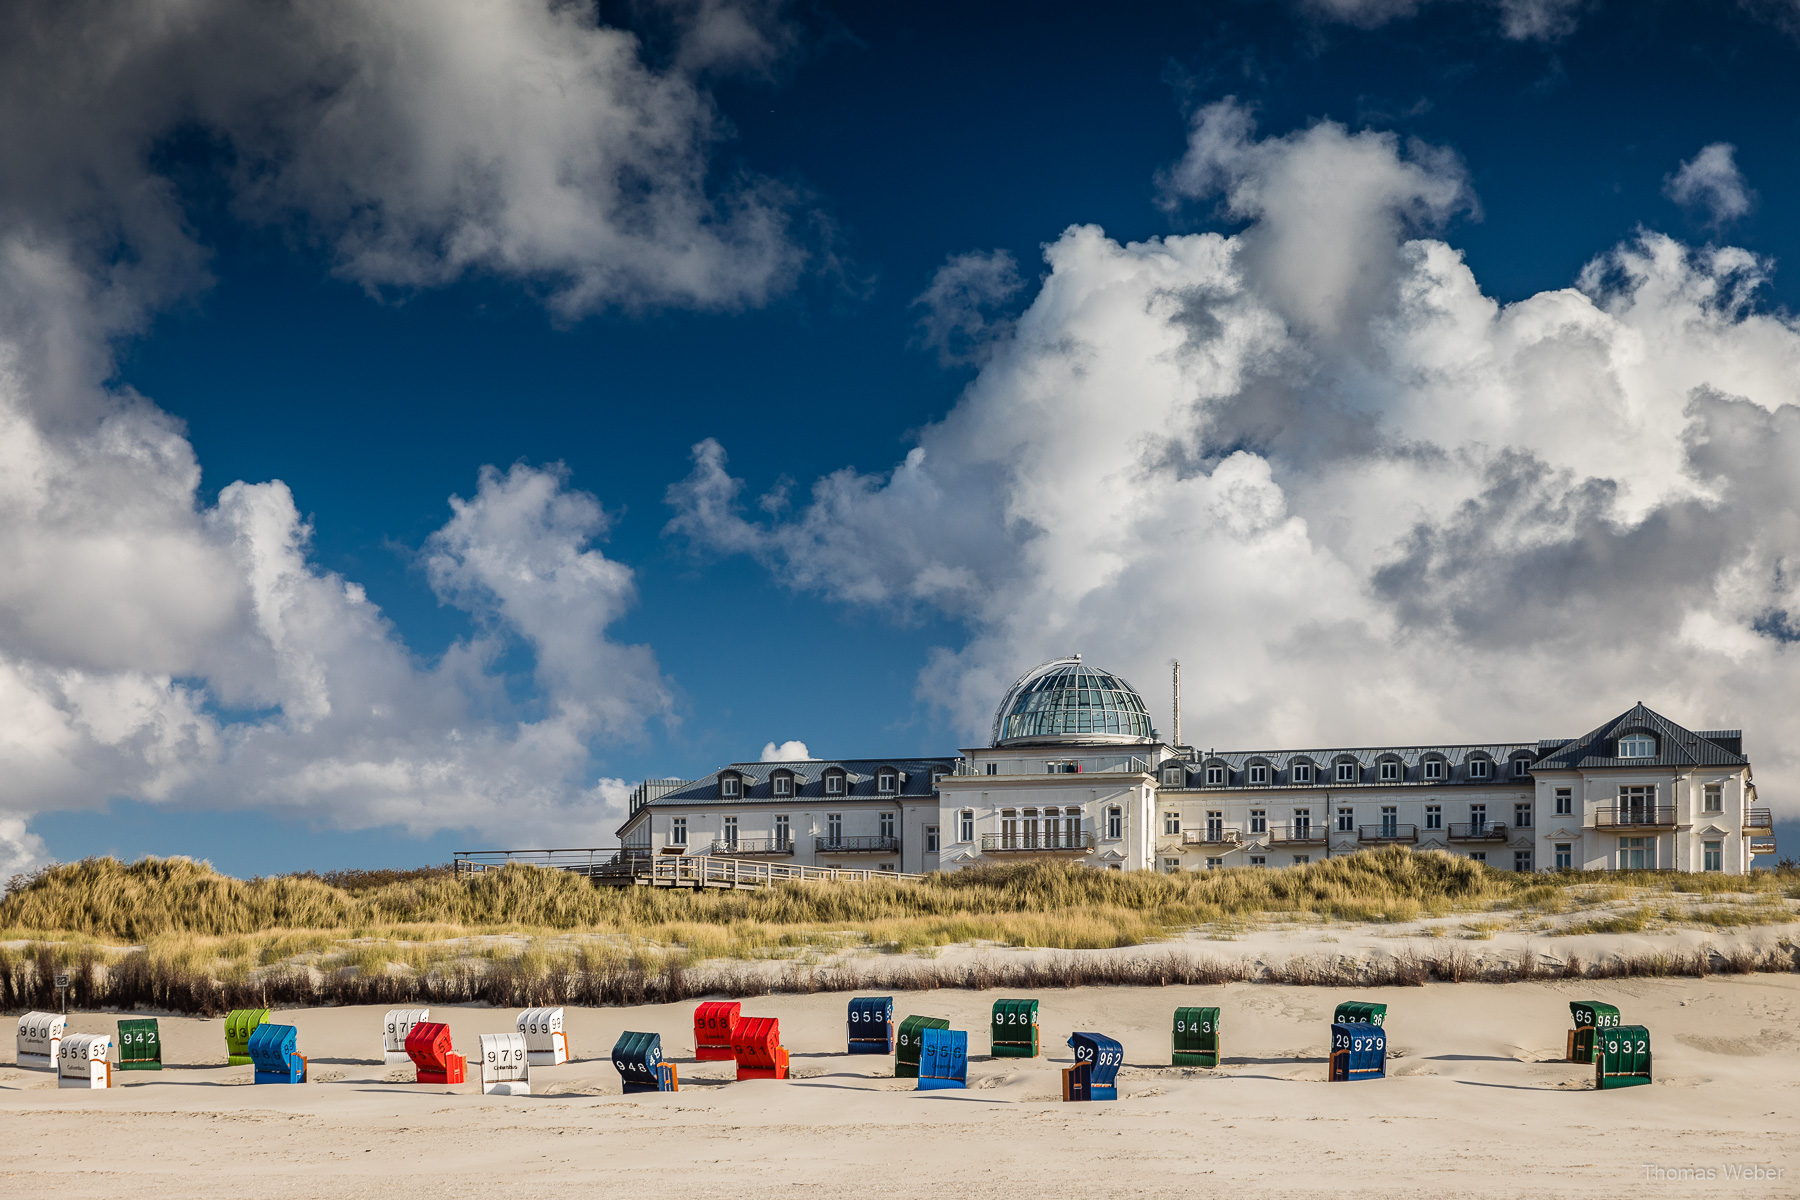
{"x":872,"y":1025}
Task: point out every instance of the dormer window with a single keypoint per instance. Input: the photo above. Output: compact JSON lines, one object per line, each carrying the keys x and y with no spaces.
{"x":887,"y":783}
{"x":1480,"y":768}
{"x":1346,"y":772}
{"x":1215,"y":775}
{"x":728,"y":787}
{"x":784,"y":784}
{"x":1173,"y":775}
{"x":834,"y":783}
{"x":1433,"y":768}
{"x":1521,"y":767}
{"x":1637,"y":745}
{"x":1390,"y":770}
{"x":1301,"y":772}
{"x":1259,"y":772}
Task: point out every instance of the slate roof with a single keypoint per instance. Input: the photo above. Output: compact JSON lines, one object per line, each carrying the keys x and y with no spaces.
{"x":809,"y":781}
{"x":1675,"y":746}
{"x":1367,"y":759}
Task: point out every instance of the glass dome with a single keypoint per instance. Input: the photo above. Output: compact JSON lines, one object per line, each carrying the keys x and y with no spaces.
{"x":1067,"y":701}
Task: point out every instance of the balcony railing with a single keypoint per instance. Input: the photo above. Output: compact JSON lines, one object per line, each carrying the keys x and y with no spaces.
{"x":1297,"y":835}
{"x":880,"y":843}
{"x":1387,"y":831}
{"x":1059,"y":842}
{"x":1634,"y":816}
{"x":1110,"y":764}
{"x":1762,"y":845}
{"x":1759,"y":818}
{"x":753,"y":846}
{"x":1477,"y":831}
{"x":1210,"y":837}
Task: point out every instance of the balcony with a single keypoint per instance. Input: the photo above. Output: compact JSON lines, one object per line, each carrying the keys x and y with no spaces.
{"x":1211,"y":837}
{"x":1633,"y":816}
{"x":1110,"y":764}
{"x":1758,"y":818}
{"x":880,"y":843}
{"x":752,"y":847}
{"x":1296,"y":835}
{"x":1386,"y":832}
{"x":1476,"y":831}
{"x":1762,"y":845}
{"x":1037,"y":843}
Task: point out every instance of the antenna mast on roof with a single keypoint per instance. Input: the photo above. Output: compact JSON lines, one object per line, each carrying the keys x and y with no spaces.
{"x":1176,"y":663}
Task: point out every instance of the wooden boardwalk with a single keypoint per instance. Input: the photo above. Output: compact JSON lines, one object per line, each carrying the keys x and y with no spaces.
{"x":613,"y":867}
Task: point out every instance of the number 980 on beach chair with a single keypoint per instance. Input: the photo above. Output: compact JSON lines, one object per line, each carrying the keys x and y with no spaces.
{"x":40,"y":1039}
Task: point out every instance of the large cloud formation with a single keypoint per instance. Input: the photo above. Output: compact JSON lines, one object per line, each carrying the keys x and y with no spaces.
{"x":1358,"y":498}
{"x":155,"y":646}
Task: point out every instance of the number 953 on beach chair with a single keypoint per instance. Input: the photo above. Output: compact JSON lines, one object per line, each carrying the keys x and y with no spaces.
{"x":81,"y":1061}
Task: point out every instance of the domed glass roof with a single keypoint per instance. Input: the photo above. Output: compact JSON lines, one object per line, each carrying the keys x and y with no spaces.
{"x":1067,"y":701}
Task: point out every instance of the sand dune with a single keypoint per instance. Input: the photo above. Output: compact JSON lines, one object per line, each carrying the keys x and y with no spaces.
{"x":1477,"y":1104}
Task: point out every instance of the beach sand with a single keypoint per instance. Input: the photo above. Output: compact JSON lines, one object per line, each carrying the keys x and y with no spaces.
{"x":1477,"y":1103}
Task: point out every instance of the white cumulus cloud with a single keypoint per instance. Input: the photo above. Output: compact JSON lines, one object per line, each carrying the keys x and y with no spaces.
{"x":1520,"y":20}
{"x":1359,"y":499}
{"x":1710,"y":183}
{"x":786,"y":752}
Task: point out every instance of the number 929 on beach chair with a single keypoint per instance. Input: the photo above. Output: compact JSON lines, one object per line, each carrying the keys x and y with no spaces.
{"x":274,"y":1054}
{"x":40,"y":1039}
{"x":395,"y":1028}
{"x":546,"y":1045}
{"x":872,"y":1025}
{"x":505,"y":1070}
{"x":1621,"y":1057}
{"x":240,"y":1023}
{"x":428,"y":1046}
{"x":943,"y":1059}
{"x":1588,"y":1016}
{"x":1358,"y":1051}
{"x":637,"y":1057}
{"x":140,"y":1044}
{"x":713,"y":1022}
{"x":81,"y":1061}
{"x":1096,"y":1071}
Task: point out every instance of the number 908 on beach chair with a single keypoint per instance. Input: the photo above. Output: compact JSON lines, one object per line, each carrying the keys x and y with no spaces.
{"x":713,"y":1024}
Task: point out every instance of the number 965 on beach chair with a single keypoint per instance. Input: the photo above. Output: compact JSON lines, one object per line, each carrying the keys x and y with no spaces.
{"x":546,"y":1045}
{"x":40,"y":1039}
{"x":505,"y":1070}
{"x":1589,"y":1016}
{"x":1358,"y":1051}
{"x":395,"y":1028}
{"x":81,"y":1061}
{"x":637,"y":1057}
{"x":273,"y":1052}
{"x":943,"y":1059}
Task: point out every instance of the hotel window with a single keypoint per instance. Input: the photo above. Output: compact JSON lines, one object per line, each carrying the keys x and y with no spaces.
{"x":1259,"y":860}
{"x":1521,"y":767}
{"x":1715,"y":798}
{"x":1390,"y":770}
{"x":731,"y":833}
{"x":1259,"y":772}
{"x":834,"y":784}
{"x":1434,"y":816}
{"x":1172,"y":822}
{"x":834,"y":828}
{"x":784,"y":785}
{"x":1479,"y":856}
{"x":1522,"y":860}
{"x":886,"y":783}
{"x":1066,"y":767}
{"x":1215,"y":775}
{"x":1477,"y":818}
{"x":1715,"y":856}
{"x":1115,"y":823}
{"x":887,"y":825}
{"x":1521,"y":816}
{"x":1637,"y":745}
{"x":1215,"y":826}
{"x":1480,"y":768}
{"x":1565,"y":856}
{"x":1390,"y":821}
{"x":965,"y":826}
{"x":1303,"y":822}
{"x":1300,"y":860}
{"x":1346,"y":772}
{"x":1565,"y":802}
{"x":1637,"y":805}
{"x":677,"y":831}
{"x":1434,"y":768}
{"x":1213,"y":864}
{"x":1301,"y":772}
{"x":728,"y":786}
{"x":993,"y":768}
{"x":783,"y":832}
{"x":1259,"y":820}
{"x":1171,"y":865}
{"x":1637,"y":854}
{"x":1346,"y":820}
{"x":931,"y":839}
{"x":1172,"y":775}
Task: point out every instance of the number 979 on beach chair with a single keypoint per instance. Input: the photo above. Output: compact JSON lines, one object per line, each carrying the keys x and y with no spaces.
{"x":505,"y":1070}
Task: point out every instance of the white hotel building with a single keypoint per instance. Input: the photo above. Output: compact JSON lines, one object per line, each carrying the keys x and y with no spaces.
{"x":1074,"y":770}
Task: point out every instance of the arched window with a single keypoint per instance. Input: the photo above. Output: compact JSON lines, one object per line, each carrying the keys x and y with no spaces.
{"x":1637,"y":745}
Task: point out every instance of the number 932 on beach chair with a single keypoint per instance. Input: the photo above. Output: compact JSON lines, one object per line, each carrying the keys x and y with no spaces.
{"x":756,"y":1044}
{"x":505,"y":1068}
{"x":40,"y":1039}
{"x":713,"y":1022}
{"x":140,"y":1044}
{"x":1015,"y":1029}
{"x":1358,"y":1051}
{"x":872,"y":1025}
{"x":1096,"y":1071}
{"x":907,"y":1045}
{"x":1589,"y":1016}
{"x":428,"y":1046}
{"x":274,"y":1054}
{"x":81,"y":1061}
{"x":240,"y":1023}
{"x":1196,"y":1038}
{"x":395,"y":1027}
{"x":1621,"y":1057}
{"x":637,"y":1057}
{"x":546,"y":1045}
{"x":943,"y":1059}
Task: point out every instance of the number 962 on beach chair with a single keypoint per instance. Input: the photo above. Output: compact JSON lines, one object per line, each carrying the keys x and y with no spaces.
{"x":1096,"y":1071}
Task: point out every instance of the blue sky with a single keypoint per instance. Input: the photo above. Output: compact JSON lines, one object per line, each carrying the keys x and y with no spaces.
{"x":376,"y":374}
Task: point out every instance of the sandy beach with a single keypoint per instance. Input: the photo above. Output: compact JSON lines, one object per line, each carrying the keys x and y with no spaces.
{"x":1477,"y":1104}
